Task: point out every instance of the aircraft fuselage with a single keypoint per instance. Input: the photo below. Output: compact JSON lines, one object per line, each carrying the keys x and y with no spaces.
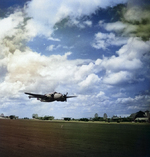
{"x":50,"y":97}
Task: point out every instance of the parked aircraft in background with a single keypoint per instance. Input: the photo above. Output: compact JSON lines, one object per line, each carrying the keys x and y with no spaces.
{"x":50,"y":97}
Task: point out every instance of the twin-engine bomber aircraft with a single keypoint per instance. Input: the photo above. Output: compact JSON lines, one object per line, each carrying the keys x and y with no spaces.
{"x":50,"y":97}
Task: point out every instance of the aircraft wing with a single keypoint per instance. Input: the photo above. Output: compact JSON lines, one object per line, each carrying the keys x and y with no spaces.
{"x":37,"y":95}
{"x":70,"y":96}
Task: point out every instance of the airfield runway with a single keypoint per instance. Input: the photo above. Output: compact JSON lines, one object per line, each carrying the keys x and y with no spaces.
{"x":31,"y":138}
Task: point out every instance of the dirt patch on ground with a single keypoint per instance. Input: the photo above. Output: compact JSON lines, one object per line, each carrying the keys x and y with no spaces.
{"x":30,"y":138}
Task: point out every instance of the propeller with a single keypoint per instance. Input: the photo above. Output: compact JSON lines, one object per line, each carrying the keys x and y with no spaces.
{"x":65,"y":96}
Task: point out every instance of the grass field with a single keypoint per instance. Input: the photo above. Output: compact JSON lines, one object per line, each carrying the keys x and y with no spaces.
{"x":31,"y":138}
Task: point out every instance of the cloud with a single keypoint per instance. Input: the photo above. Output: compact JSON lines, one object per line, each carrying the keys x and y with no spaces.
{"x":101,"y":96}
{"x":50,"y":48}
{"x":8,"y":25}
{"x":121,"y":63}
{"x":88,"y":23}
{"x":138,"y":102}
{"x":24,"y":70}
{"x":131,"y":64}
{"x":115,"y":26}
{"x":83,"y":71}
{"x":120,"y":94}
{"x":135,"y":48}
{"x":135,"y":20}
{"x":104,"y":40}
{"x":45,"y":14}
{"x":53,"y":47}
{"x":78,"y":23}
{"x":125,"y":100}
{"x":32,"y":70}
{"x":141,"y":22}
{"x":118,"y":78}
{"x":91,"y":80}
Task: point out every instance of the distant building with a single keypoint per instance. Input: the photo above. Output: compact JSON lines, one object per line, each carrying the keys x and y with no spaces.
{"x":141,"y":116}
{"x":132,"y":116}
{"x":35,"y":116}
{"x":115,"y":118}
{"x":2,"y":115}
{"x":147,"y":113}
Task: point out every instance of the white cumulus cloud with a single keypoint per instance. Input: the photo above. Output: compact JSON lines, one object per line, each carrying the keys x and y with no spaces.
{"x":45,"y":14}
{"x":104,"y":40}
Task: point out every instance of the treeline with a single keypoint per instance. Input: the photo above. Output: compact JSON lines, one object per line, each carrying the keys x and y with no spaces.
{"x":46,"y":118}
{"x":102,"y":119}
{"x":135,"y":117}
{"x":35,"y":116}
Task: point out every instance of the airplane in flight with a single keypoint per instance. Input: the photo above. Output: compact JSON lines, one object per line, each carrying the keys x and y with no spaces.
{"x":50,"y":97}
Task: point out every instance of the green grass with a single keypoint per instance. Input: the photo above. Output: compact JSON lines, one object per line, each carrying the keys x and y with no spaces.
{"x":107,"y":139}
{"x":59,"y":138}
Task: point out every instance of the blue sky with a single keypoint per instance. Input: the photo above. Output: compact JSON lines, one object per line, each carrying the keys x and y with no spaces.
{"x":96,"y":50}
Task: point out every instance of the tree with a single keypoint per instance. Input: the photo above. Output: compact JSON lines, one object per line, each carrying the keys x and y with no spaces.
{"x":96,"y":117}
{"x":12,"y":117}
{"x":84,"y":119}
{"x":105,"y":116}
{"x":26,"y":118}
{"x":67,"y":118}
{"x":48,"y":117}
